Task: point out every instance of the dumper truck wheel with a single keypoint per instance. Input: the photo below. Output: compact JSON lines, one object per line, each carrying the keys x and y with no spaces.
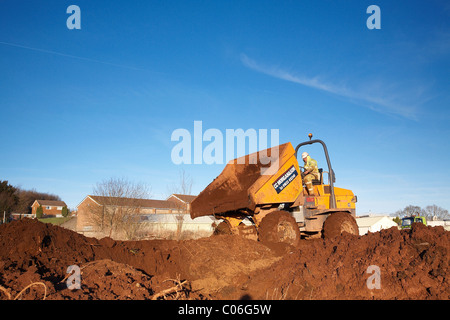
{"x":338,"y":223}
{"x":222,"y":228}
{"x":279,"y":226}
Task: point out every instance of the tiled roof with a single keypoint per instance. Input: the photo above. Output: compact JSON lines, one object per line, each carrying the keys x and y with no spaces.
{"x":184,"y":197}
{"x":51,"y":203}
{"x":142,"y":203}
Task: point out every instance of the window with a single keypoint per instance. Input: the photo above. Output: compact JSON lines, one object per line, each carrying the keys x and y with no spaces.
{"x":406,"y":222}
{"x":418,"y":220}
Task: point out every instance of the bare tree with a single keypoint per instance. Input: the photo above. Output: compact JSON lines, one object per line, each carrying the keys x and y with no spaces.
{"x":183,"y":186}
{"x":120,"y":206}
{"x":409,"y":211}
{"x":436,"y":211}
{"x":429,"y":212}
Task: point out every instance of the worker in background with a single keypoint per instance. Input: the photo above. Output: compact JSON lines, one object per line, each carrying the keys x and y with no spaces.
{"x":311,"y":172}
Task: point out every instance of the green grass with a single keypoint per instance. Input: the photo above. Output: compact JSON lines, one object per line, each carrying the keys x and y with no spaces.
{"x":56,"y":221}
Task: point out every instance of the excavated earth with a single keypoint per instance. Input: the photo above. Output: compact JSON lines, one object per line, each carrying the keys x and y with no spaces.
{"x":412,"y":264}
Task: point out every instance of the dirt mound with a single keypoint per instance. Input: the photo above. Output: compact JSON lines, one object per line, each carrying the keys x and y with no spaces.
{"x":41,"y":253}
{"x":413,"y":264}
{"x":217,"y":265}
{"x":109,"y":280}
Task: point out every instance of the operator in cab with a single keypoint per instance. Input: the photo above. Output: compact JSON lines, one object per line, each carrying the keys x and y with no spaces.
{"x":311,"y":172}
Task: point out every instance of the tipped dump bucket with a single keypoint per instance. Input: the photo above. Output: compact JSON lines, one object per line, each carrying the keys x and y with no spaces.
{"x":268,"y":176}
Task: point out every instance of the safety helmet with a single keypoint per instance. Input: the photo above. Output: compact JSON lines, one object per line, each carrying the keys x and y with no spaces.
{"x":304,"y":155}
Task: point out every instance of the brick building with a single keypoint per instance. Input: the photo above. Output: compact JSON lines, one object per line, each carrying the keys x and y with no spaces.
{"x":174,"y":204}
{"x":182,"y":200}
{"x":50,"y":207}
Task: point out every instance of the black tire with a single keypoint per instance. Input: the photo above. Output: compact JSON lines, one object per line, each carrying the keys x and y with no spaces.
{"x":279,"y":227}
{"x":222,"y":228}
{"x":339,"y":222}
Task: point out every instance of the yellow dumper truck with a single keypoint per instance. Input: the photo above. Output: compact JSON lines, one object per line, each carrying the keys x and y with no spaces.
{"x":262,"y":196}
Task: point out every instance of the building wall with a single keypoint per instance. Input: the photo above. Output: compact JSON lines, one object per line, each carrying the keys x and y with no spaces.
{"x":173,"y":226}
{"x":374,"y":224}
{"x":147,"y":210}
{"x":442,"y":223}
{"x":181,"y":204}
{"x":382,"y":224}
{"x":84,"y":222}
{"x":51,"y":211}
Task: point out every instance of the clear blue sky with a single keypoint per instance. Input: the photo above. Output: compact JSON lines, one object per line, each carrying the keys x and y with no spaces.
{"x":80,"y":106}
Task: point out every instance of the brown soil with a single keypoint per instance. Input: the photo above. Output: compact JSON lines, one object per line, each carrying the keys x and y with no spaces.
{"x":413,"y":265}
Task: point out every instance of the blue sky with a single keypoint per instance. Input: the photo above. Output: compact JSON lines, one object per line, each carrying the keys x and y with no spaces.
{"x":80,"y":106}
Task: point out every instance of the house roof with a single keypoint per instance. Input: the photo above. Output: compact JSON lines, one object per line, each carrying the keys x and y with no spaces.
{"x":370,"y":221}
{"x":186,"y":198}
{"x":51,"y":203}
{"x":143,"y":203}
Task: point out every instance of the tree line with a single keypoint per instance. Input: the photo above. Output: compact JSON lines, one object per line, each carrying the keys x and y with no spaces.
{"x":429,"y":212}
{"x":14,"y":199}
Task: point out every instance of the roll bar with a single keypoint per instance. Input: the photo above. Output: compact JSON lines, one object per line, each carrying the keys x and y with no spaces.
{"x":331,"y":176}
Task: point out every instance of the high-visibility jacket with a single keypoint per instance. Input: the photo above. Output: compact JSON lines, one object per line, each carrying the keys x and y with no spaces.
{"x":311,"y":164}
